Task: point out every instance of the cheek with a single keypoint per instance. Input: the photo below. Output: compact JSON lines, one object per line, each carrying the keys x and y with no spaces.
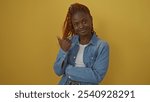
{"x":76,"y":29}
{"x":88,"y":27}
{"x":89,"y":24}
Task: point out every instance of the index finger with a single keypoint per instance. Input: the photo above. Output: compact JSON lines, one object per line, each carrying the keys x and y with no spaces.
{"x":59,"y":39}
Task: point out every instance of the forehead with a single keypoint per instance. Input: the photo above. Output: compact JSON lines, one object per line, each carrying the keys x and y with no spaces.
{"x":79,"y":16}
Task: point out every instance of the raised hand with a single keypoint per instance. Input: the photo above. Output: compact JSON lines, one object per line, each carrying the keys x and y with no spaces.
{"x":65,"y":44}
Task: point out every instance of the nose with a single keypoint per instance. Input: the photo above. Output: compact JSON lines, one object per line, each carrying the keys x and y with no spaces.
{"x":80,"y":25}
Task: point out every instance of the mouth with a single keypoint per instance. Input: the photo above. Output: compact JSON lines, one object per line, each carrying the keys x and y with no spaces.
{"x":82,"y":31}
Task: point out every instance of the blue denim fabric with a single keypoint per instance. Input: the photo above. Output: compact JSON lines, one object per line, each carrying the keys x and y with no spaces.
{"x":95,"y":57}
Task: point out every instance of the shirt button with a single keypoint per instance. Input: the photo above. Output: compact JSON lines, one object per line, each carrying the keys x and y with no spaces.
{"x":74,"y":57}
{"x":91,"y":57}
{"x":69,"y":77}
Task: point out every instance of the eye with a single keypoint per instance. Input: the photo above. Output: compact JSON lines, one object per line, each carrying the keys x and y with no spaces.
{"x":75,"y":24}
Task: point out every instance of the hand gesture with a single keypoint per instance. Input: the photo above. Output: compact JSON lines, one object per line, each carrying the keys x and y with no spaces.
{"x":64,"y":43}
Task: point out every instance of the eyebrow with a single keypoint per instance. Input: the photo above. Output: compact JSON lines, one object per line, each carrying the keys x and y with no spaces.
{"x":80,"y":19}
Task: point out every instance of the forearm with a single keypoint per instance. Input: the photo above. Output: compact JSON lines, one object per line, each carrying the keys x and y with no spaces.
{"x":60,"y":63}
{"x":83,"y":74}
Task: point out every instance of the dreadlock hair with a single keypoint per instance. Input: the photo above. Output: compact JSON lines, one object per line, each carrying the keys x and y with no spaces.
{"x":68,"y":29}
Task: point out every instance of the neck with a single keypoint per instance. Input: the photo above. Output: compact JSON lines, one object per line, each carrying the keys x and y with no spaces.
{"x":85,"y":39}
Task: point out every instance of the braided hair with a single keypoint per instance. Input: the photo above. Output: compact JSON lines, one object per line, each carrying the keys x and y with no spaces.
{"x":68,"y":29}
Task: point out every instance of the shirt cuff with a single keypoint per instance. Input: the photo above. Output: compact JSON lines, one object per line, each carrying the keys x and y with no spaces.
{"x":63,"y":53}
{"x":68,"y":69}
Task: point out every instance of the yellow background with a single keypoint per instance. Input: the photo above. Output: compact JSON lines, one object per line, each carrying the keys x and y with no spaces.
{"x":28,"y":44}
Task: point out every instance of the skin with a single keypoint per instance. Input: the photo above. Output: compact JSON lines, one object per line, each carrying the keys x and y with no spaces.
{"x":65,"y":44}
{"x":82,"y":24}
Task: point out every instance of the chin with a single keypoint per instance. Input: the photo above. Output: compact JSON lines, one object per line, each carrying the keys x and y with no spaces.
{"x":82,"y":34}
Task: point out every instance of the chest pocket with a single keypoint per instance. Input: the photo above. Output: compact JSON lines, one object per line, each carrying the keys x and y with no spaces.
{"x":72,"y":55}
{"x":92,"y":56}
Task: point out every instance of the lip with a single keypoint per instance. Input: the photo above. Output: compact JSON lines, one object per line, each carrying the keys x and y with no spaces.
{"x":82,"y":31}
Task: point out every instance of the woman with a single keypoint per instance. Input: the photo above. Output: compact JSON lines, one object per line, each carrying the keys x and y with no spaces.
{"x":83,"y":57}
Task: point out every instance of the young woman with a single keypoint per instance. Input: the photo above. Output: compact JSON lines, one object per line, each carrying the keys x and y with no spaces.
{"x":83,"y":58}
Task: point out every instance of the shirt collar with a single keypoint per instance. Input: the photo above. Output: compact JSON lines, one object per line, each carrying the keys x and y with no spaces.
{"x":93,"y":40}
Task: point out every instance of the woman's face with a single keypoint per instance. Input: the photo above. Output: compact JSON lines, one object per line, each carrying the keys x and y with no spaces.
{"x":82,"y":24}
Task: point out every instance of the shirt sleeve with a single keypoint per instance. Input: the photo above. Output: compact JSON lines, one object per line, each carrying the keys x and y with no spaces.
{"x":60,"y":62}
{"x":94,"y":74}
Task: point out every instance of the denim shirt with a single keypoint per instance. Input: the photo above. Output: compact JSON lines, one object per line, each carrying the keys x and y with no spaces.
{"x":95,"y":58}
